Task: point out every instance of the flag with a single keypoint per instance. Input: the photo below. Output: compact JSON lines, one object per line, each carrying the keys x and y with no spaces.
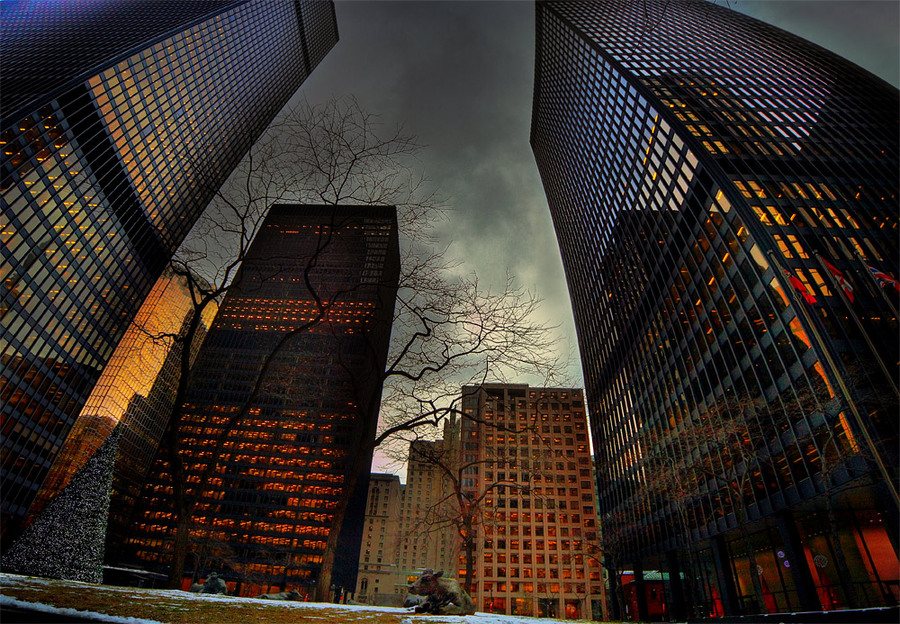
{"x":884,"y":280}
{"x":840,"y":279}
{"x":801,"y":287}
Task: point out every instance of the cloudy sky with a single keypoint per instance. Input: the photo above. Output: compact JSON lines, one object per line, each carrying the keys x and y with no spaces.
{"x":459,"y":75}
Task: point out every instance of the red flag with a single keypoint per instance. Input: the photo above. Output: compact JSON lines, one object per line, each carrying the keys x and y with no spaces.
{"x":801,"y":287}
{"x":884,"y":280}
{"x":842,"y":282}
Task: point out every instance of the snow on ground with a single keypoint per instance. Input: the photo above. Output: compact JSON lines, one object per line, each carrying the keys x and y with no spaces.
{"x":187,"y":597}
{"x":51,"y":610}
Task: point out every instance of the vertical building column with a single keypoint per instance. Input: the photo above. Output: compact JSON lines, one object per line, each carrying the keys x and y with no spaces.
{"x":678,"y":608}
{"x":725,"y":579}
{"x":793,"y":550}
{"x":640,"y":591}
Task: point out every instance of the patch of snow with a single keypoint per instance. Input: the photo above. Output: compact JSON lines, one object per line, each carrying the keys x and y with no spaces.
{"x":19,"y":579}
{"x":45,"y":608}
{"x":175,"y":598}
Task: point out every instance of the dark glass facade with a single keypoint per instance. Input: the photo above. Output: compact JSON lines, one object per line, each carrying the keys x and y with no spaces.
{"x":136,"y":389}
{"x":263,"y":519}
{"x":120,"y":120}
{"x":725,"y":200}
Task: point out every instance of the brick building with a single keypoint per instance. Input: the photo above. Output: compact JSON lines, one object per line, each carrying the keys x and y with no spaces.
{"x":524,"y":452}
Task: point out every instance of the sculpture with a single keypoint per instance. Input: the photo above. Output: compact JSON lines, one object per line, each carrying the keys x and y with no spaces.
{"x":443,"y":596}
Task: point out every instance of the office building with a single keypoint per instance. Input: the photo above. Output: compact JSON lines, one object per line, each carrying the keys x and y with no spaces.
{"x":277,"y":454}
{"x":120,"y":119}
{"x":409,"y":527}
{"x":525,"y":455}
{"x":724,"y":194}
{"x":428,"y":540}
{"x":380,"y":581}
{"x":136,"y":390}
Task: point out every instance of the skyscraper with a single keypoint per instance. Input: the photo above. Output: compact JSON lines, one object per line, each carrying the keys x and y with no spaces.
{"x":524,"y":452}
{"x":725,"y":199}
{"x":380,"y":580}
{"x":406,"y":525}
{"x":136,"y":389}
{"x":120,"y":119}
{"x":321,"y":280}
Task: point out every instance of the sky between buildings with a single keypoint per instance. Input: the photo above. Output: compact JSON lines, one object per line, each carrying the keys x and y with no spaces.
{"x":459,"y":75}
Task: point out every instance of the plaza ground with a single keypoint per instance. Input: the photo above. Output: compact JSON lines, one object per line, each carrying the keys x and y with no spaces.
{"x":129,"y":605}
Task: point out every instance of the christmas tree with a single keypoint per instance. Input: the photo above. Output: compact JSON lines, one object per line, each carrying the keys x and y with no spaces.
{"x":67,"y":538}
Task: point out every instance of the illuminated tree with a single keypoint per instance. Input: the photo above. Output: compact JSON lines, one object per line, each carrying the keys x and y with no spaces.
{"x":67,"y":538}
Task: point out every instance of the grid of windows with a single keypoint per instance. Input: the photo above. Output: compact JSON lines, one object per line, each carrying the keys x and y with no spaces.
{"x":263,"y":518}
{"x":426,"y":490}
{"x":104,"y":174}
{"x":525,"y":451}
{"x":136,"y":388}
{"x":380,"y":581}
{"x":720,"y":190}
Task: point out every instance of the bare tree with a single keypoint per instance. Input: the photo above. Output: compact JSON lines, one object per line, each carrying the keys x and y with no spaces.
{"x":448,"y":329}
{"x":467,"y":510}
{"x":717,"y":452}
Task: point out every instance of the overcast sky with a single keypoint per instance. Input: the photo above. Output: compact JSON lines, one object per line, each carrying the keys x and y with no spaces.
{"x":459,"y":75}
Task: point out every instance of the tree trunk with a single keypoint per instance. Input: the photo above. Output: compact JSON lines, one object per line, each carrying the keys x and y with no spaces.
{"x":323,"y":587}
{"x":183,"y":513}
{"x":179,"y":553}
{"x":176,"y":468}
{"x":470,"y":564}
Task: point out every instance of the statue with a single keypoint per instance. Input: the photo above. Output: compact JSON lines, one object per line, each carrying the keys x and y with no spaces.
{"x":214,"y":585}
{"x":443,"y":596}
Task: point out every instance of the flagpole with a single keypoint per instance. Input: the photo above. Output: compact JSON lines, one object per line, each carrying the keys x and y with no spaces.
{"x":843,"y":295}
{"x":878,"y":286}
{"x":838,"y":378}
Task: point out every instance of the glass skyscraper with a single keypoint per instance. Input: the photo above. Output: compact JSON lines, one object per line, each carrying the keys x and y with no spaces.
{"x":120,"y":120}
{"x":324,"y":278}
{"x":725,"y":200}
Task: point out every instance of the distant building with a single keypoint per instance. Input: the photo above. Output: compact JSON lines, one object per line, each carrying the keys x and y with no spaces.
{"x":428,"y":497}
{"x":725,"y":196}
{"x":408,"y":534}
{"x":119,"y":121}
{"x":263,"y":518}
{"x":379,"y":576}
{"x":525,"y":452}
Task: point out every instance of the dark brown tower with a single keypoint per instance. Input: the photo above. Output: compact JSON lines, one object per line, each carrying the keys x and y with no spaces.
{"x":266,"y":514}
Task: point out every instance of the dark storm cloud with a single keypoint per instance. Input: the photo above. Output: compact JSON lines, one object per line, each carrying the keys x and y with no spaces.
{"x":864,"y":31}
{"x":459,"y":75}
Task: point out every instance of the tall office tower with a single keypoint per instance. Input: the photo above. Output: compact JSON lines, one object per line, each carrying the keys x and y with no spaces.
{"x":525,"y":451}
{"x":414,"y":531}
{"x":282,"y":454}
{"x":380,"y":579}
{"x":428,"y":541}
{"x":119,"y":121}
{"x":136,"y":389}
{"x":725,"y":199}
